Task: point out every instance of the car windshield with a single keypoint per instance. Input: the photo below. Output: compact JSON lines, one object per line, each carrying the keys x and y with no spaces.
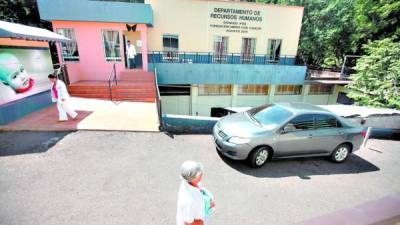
{"x":269,"y":116}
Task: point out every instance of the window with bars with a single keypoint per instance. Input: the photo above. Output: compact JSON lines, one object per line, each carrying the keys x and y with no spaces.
{"x":69,"y":50}
{"x":220,"y":49}
{"x":111,"y":45}
{"x":320,"y":89}
{"x":171,"y":47}
{"x":302,"y":122}
{"x":248,"y":48}
{"x":326,"y":121}
{"x":274,"y":50}
{"x":215,"y":89}
{"x":253,"y":89}
{"x":288,"y":90}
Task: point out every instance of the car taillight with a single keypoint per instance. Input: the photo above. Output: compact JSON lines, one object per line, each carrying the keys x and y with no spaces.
{"x":363,"y":133}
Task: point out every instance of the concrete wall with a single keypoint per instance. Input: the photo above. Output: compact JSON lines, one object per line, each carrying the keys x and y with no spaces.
{"x":191,"y":20}
{"x":201,"y":105}
{"x":181,"y":73}
{"x":317,"y":99}
{"x":251,"y":100}
{"x":178,"y":105}
{"x":204,"y":104}
{"x":188,"y":124}
{"x":15,"y":110}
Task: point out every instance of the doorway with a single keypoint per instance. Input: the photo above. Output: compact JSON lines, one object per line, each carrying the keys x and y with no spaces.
{"x":134,"y":38}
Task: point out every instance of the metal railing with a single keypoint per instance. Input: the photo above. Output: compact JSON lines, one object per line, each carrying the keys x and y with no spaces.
{"x":61,"y":72}
{"x":158,"y":101}
{"x":217,"y":58}
{"x":112,"y":79}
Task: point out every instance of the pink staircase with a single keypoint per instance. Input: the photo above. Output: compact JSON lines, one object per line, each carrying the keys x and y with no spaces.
{"x":132,"y":85}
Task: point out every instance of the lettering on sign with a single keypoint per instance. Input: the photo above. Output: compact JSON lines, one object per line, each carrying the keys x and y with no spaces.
{"x":236,"y":20}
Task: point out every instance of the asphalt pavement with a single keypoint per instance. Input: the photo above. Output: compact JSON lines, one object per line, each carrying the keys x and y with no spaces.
{"x":90,"y":177}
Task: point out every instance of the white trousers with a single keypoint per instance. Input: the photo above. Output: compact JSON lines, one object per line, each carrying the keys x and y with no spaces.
{"x":64,"y":109}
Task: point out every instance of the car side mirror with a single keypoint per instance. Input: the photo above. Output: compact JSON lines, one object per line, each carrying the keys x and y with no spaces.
{"x":288,"y":128}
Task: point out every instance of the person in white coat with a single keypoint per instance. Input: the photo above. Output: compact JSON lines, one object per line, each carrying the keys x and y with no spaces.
{"x":131,"y":54}
{"x":195,"y":202}
{"x":59,"y":94}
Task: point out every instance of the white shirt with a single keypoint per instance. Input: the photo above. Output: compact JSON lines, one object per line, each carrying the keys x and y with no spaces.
{"x":62,"y":91}
{"x":131,"y":51}
{"x":190,"y":204}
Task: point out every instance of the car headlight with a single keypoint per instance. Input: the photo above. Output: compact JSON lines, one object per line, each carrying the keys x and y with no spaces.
{"x":238,"y":140}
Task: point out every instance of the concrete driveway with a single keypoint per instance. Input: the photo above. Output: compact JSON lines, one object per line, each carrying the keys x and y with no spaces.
{"x":133,"y":178}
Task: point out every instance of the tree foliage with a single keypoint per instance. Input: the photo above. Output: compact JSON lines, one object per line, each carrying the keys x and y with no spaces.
{"x":21,"y":11}
{"x":377,"y":81}
{"x":332,"y":29}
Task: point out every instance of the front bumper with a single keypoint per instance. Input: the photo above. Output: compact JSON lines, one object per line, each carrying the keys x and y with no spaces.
{"x":230,"y":150}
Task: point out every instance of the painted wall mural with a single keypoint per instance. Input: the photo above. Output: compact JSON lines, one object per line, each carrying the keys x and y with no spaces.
{"x":23,"y":72}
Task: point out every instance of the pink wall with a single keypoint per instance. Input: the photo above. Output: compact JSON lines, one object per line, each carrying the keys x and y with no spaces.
{"x":92,"y":64}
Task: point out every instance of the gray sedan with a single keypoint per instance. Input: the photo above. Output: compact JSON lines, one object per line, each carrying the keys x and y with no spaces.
{"x":286,"y":130}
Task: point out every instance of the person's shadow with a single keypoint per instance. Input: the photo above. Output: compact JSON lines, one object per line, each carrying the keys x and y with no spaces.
{"x":304,"y":168}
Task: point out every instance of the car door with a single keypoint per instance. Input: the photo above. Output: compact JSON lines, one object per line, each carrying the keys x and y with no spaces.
{"x":328,"y":133}
{"x":297,"y":138}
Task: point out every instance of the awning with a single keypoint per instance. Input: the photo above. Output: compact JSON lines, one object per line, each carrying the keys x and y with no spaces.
{"x":19,"y":31}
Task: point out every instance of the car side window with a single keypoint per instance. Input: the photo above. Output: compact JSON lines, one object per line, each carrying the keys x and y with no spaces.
{"x":326,"y":121}
{"x":302,"y":122}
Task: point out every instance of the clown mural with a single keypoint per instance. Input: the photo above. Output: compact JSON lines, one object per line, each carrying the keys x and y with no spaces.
{"x":23,"y":72}
{"x":13,"y":73}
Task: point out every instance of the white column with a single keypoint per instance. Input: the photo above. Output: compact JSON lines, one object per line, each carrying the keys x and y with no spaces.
{"x":332,"y":99}
{"x":271,"y":93}
{"x":305,"y":91}
{"x":234,"y":96}
{"x":194,"y":93}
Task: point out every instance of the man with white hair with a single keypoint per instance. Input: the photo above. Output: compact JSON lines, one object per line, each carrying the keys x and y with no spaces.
{"x":195,"y":202}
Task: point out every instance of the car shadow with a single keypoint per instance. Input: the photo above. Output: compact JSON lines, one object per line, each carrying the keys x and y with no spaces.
{"x":27,"y":142}
{"x":303,"y":168}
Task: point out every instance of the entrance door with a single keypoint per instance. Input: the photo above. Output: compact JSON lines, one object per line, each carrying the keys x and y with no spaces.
{"x":134,"y":38}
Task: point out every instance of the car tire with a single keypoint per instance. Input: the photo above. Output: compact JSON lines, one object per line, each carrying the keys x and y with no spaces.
{"x":259,"y":156}
{"x":340,"y":153}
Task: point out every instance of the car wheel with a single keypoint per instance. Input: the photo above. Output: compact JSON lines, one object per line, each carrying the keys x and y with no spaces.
{"x":259,"y":156}
{"x":341,"y":153}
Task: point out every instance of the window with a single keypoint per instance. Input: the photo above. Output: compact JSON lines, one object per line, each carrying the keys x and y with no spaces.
{"x":320,"y":89}
{"x":326,"y":121}
{"x":288,"y":90}
{"x":171,"y":48}
{"x":248,"y":47}
{"x":270,"y":116}
{"x":180,"y":89}
{"x":69,"y":50}
{"x":253,"y":89}
{"x":302,"y":122}
{"x":274,"y":50}
{"x":220,"y":49}
{"x":215,"y":89}
{"x":111,"y":45}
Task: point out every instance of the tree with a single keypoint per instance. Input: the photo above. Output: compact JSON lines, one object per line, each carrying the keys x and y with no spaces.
{"x":22,"y":11}
{"x":377,"y":19}
{"x":327,"y":31}
{"x":377,"y":80}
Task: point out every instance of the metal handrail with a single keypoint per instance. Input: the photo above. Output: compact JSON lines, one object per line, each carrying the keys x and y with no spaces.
{"x":158,"y":100}
{"x":218,"y":58}
{"x":112,"y":79}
